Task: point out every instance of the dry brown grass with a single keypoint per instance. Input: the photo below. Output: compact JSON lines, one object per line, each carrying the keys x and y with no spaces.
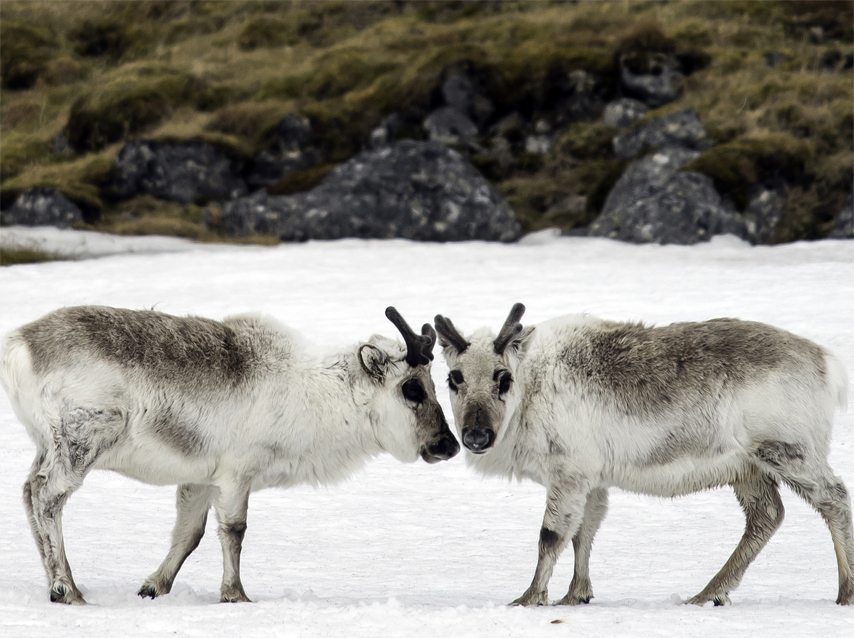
{"x":23,"y":255}
{"x":215,"y":71}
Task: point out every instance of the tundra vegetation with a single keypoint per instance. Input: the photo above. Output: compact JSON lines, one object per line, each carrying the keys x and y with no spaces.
{"x":771,"y":82}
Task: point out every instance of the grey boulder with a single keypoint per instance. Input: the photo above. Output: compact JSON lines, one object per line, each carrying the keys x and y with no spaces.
{"x":623,"y":112}
{"x":654,"y":202}
{"x":682,"y":128}
{"x":764,"y":213}
{"x":42,"y":207}
{"x":461,"y":95}
{"x":687,"y":210}
{"x":659,"y":84}
{"x":414,"y":190}
{"x":287,"y":153}
{"x":191,"y":172}
{"x":447,"y":125}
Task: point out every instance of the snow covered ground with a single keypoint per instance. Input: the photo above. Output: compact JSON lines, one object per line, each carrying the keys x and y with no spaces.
{"x":418,"y":550}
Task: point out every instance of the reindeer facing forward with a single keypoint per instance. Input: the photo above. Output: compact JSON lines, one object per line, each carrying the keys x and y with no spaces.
{"x":220,"y":408}
{"x":580,"y":405}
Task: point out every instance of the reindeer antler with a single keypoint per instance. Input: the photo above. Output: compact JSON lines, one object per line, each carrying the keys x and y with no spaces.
{"x":450,"y":333}
{"x":510,"y":329}
{"x":419,"y":349}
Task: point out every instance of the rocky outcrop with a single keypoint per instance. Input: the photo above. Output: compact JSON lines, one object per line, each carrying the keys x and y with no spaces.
{"x":457,"y":123}
{"x":448,"y":126}
{"x":191,"y":172}
{"x":287,"y":153}
{"x":414,"y":190}
{"x":461,"y":94}
{"x":763,"y":214}
{"x":42,"y":207}
{"x":844,"y":228}
{"x":682,"y":129}
{"x":654,"y":202}
{"x":687,"y":210}
{"x":385,"y":132}
{"x":656,"y":81}
{"x":623,"y":112}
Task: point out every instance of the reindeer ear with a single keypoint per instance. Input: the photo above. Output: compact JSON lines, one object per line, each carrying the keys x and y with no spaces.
{"x":374,"y":361}
{"x":519,"y":343}
{"x":449,"y":337}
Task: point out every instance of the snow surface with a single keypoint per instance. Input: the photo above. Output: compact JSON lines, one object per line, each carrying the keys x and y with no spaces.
{"x":84,"y":244}
{"x":418,"y":550}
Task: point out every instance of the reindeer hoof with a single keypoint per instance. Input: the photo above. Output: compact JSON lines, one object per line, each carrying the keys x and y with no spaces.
{"x":531,"y":599}
{"x":234,"y":596}
{"x":61,"y":593}
{"x":574,"y":599}
{"x":719,"y":600}
{"x":846,"y":593}
{"x":147,"y":591}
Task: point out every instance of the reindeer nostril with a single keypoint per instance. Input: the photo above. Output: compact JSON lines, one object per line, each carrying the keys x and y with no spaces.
{"x":441,"y":448}
{"x":477,"y":439}
{"x":444,"y":449}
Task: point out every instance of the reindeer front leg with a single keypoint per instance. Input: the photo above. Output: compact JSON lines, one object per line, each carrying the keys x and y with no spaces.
{"x":564,"y":512}
{"x":231,"y":505}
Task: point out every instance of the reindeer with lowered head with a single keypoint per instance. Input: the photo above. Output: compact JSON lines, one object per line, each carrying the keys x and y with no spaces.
{"x":219,"y":408}
{"x":580,"y":405}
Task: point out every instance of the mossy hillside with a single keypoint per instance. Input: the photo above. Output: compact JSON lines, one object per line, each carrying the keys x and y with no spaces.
{"x":771,"y":160}
{"x":24,"y":54}
{"x":213,"y":70}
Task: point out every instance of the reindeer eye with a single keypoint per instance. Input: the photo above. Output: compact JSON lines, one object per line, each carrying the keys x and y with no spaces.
{"x":504,"y":382}
{"x":414,"y":391}
{"x":454,"y":378}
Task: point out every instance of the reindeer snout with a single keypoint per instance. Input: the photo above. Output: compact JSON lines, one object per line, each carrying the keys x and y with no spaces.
{"x":444,"y":449}
{"x":478,"y":439}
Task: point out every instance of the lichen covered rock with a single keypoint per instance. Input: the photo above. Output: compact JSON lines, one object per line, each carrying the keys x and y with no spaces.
{"x":414,"y":190}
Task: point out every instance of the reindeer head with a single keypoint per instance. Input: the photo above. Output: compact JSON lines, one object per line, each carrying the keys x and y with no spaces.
{"x":405,"y":392}
{"x":483,"y":369}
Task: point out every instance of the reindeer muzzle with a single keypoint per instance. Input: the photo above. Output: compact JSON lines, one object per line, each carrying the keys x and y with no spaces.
{"x":442,"y":450}
{"x":478,"y":439}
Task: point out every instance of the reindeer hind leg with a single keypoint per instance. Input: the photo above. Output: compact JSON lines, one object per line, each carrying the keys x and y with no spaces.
{"x":80,"y":437}
{"x":759,"y":497}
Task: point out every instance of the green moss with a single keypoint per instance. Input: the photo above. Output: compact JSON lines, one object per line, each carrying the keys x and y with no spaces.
{"x":21,"y":255}
{"x":250,"y":120}
{"x":534,"y":59}
{"x":79,"y":180}
{"x":537,"y":202}
{"x":587,"y":140}
{"x":128,"y":104}
{"x":417,"y":81}
{"x":267,"y":32}
{"x":299,"y":181}
{"x":749,"y":160}
{"x":835,"y":18}
{"x":148,"y":206}
{"x":24,"y":54}
{"x":157,"y":226}
{"x":113,"y":37}
{"x":20,"y":153}
{"x":337,"y":131}
{"x":344,"y":69}
{"x":333,"y":74}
